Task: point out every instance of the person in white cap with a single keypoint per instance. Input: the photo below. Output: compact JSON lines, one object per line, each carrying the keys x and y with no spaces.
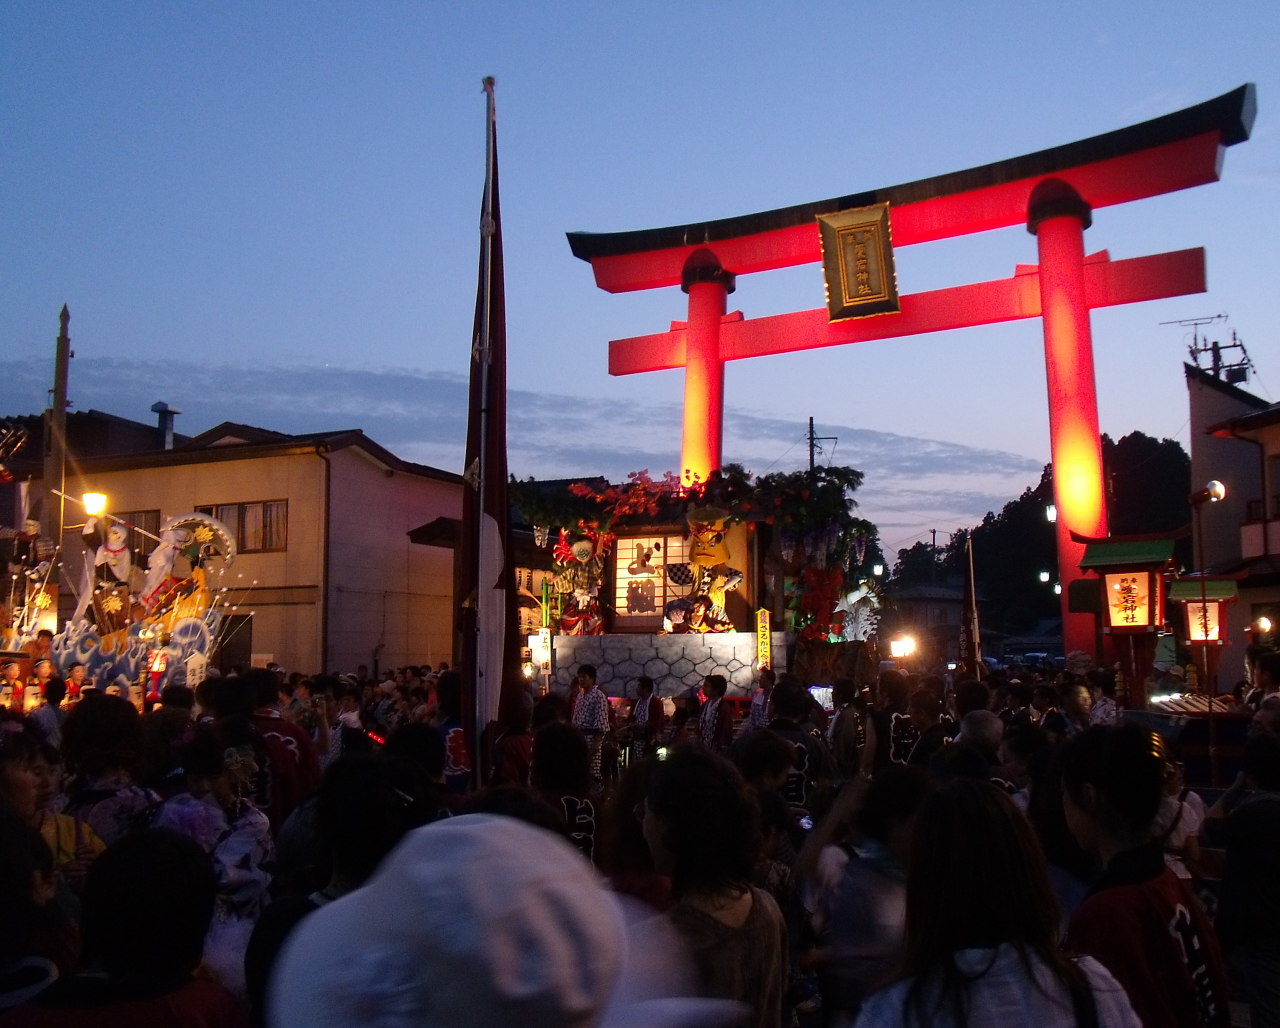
{"x":484,"y":920}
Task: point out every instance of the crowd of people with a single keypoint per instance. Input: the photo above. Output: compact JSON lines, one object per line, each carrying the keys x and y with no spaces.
{"x":275,"y":848}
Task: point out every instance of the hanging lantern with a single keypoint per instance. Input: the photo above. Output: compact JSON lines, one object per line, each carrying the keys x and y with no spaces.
{"x":1131,"y":573}
{"x":1205,"y":603}
{"x":1132,"y":601}
{"x":541,"y":534}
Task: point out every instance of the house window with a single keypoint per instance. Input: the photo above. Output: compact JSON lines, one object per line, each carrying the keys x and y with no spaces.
{"x":260,"y":527}
{"x":649,"y":571}
{"x":144,"y":526}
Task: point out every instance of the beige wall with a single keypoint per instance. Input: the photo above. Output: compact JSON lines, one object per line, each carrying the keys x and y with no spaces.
{"x":387,"y":594}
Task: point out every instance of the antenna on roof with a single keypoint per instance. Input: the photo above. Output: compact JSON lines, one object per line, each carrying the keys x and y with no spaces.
{"x":1215,"y":354}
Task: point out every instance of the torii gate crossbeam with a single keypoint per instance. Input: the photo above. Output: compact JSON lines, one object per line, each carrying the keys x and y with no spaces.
{"x":1053,"y":192}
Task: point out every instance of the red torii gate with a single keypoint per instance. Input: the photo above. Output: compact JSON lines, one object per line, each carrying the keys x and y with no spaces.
{"x":1053,"y":192}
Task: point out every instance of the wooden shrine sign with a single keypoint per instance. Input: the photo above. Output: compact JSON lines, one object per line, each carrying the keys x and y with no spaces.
{"x":1052,"y":192}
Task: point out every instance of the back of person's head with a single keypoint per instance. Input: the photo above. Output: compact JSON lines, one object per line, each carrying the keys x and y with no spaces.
{"x":420,"y":743}
{"x":892,"y":689}
{"x":893,"y":797}
{"x":970,"y":694}
{"x":715,"y":686}
{"x":561,"y":760}
{"x":548,"y":708}
{"x":710,"y":824}
{"x":843,"y":690}
{"x":1268,"y":663}
{"x":263,"y":684}
{"x":934,"y":684}
{"x":976,"y":879}
{"x":55,"y":691}
{"x":1020,"y":694}
{"x":234,"y":696}
{"x":765,"y":754}
{"x":363,"y":809}
{"x":148,"y":901}
{"x":925,"y":702}
{"x":1260,"y":760}
{"x":515,"y":710}
{"x":983,"y":730}
{"x":519,"y":802}
{"x":1116,"y":773}
{"x":959,"y":760}
{"x":177,"y":697}
{"x":790,"y":699}
{"x":102,"y":734}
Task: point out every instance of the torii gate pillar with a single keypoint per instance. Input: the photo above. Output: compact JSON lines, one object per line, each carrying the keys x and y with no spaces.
{"x":708,"y":286}
{"x":1057,"y":216}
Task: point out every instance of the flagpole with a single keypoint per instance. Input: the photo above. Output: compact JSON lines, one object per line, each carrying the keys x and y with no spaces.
{"x":486,"y":591}
{"x":480,"y":693}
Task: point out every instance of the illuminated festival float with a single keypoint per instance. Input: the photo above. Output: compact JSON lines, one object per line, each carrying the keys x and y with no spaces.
{"x":678,"y":579}
{"x":1053,"y":193}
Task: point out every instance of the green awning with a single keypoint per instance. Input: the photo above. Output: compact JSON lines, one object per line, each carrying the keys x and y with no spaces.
{"x":1107,"y":553}
{"x":1187,"y":590}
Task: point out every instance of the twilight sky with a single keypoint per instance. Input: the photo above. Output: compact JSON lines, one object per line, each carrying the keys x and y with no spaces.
{"x":294,"y":187}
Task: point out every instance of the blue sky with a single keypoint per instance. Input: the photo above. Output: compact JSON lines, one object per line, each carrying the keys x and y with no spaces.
{"x":294,"y":184}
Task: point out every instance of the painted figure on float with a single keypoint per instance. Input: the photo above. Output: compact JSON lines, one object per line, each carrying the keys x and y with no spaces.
{"x":130,"y":627}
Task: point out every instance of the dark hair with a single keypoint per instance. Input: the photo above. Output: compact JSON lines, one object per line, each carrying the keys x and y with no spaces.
{"x":100,"y":734}
{"x":926,"y":702}
{"x":892,"y":688}
{"x":548,"y":708}
{"x":977,"y":879}
{"x":715,"y":685}
{"x":178,"y":697}
{"x":1269,"y":664}
{"x":1260,"y":760}
{"x":263,"y":685}
{"x":711,"y":824}
{"x":970,"y":694}
{"x":587,"y":669}
{"x":518,"y":802}
{"x":645,"y":683}
{"x":561,"y":760}
{"x":55,"y":691}
{"x":148,"y":901}
{"x":418,"y":742}
{"x":790,"y":699}
{"x":764,"y":753}
{"x":366,"y":804}
{"x":894,"y":795}
{"x":234,"y":695}
{"x":1125,"y":765}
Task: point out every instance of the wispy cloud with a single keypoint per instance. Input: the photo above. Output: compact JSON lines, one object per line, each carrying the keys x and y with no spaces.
{"x":912,"y":484}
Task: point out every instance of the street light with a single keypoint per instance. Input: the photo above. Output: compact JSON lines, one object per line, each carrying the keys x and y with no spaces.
{"x":1051,"y":513}
{"x":901,"y":647}
{"x":93,"y":503}
{"x":1045,"y":576}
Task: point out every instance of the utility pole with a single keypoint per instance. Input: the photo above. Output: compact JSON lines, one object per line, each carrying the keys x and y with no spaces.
{"x":55,"y":441}
{"x":814,"y":440}
{"x":933,"y":557}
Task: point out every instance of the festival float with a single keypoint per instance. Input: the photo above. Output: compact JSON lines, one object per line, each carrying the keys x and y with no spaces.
{"x":135,"y":627}
{"x":676,"y":579}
